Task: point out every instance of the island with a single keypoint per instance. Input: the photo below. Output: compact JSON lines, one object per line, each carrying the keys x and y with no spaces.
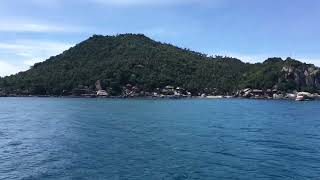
{"x":133,"y":65}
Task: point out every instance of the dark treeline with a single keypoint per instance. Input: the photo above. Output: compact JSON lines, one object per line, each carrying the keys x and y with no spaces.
{"x":136,"y":59}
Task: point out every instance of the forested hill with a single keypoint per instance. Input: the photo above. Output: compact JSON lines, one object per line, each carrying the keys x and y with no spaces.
{"x":148,"y":65}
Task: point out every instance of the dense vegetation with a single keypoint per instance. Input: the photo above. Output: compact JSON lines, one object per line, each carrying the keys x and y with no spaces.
{"x":147,"y":64}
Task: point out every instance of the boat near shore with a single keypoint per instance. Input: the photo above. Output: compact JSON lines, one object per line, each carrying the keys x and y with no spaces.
{"x":305,"y":96}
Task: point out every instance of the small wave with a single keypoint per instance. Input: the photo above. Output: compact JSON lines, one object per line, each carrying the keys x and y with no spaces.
{"x":14,"y":143}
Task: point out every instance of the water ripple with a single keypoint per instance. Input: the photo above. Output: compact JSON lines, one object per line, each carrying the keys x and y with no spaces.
{"x":54,"y":138}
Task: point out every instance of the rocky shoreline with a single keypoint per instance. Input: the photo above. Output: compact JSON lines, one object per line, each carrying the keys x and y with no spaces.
{"x":299,"y":96}
{"x":130,"y":91}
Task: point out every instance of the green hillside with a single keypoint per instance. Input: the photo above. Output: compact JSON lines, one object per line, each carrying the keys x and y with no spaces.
{"x":142,"y":62}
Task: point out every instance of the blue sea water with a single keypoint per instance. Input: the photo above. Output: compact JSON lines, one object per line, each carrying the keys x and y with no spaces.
{"x":61,"y":138}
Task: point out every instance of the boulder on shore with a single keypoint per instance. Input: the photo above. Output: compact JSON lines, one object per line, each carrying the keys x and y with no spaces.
{"x":214,"y":97}
{"x":102,"y":93}
{"x":277,"y":96}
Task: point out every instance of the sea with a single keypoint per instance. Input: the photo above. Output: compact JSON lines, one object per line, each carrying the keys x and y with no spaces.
{"x":158,"y":139}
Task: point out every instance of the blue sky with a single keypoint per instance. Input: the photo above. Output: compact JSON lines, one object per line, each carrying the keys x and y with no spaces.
{"x":252,"y":30}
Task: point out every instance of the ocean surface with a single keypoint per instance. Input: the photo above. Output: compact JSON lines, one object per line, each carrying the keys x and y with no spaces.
{"x":141,"y":139}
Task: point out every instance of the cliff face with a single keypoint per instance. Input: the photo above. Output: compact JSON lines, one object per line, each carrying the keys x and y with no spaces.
{"x":304,"y":76}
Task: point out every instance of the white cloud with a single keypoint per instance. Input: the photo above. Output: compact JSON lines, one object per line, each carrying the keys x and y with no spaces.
{"x":28,"y":27}
{"x":28,"y":48}
{"x":55,"y":3}
{"x":32,"y":44}
{"x":26,"y":52}
{"x":8,"y":68}
{"x":48,"y":3}
{"x":312,"y":60}
{"x":147,"y":2}
{"x":23,"y":25}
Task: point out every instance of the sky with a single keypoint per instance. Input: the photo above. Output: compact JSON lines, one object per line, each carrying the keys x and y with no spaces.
{"x":251,"y":30}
